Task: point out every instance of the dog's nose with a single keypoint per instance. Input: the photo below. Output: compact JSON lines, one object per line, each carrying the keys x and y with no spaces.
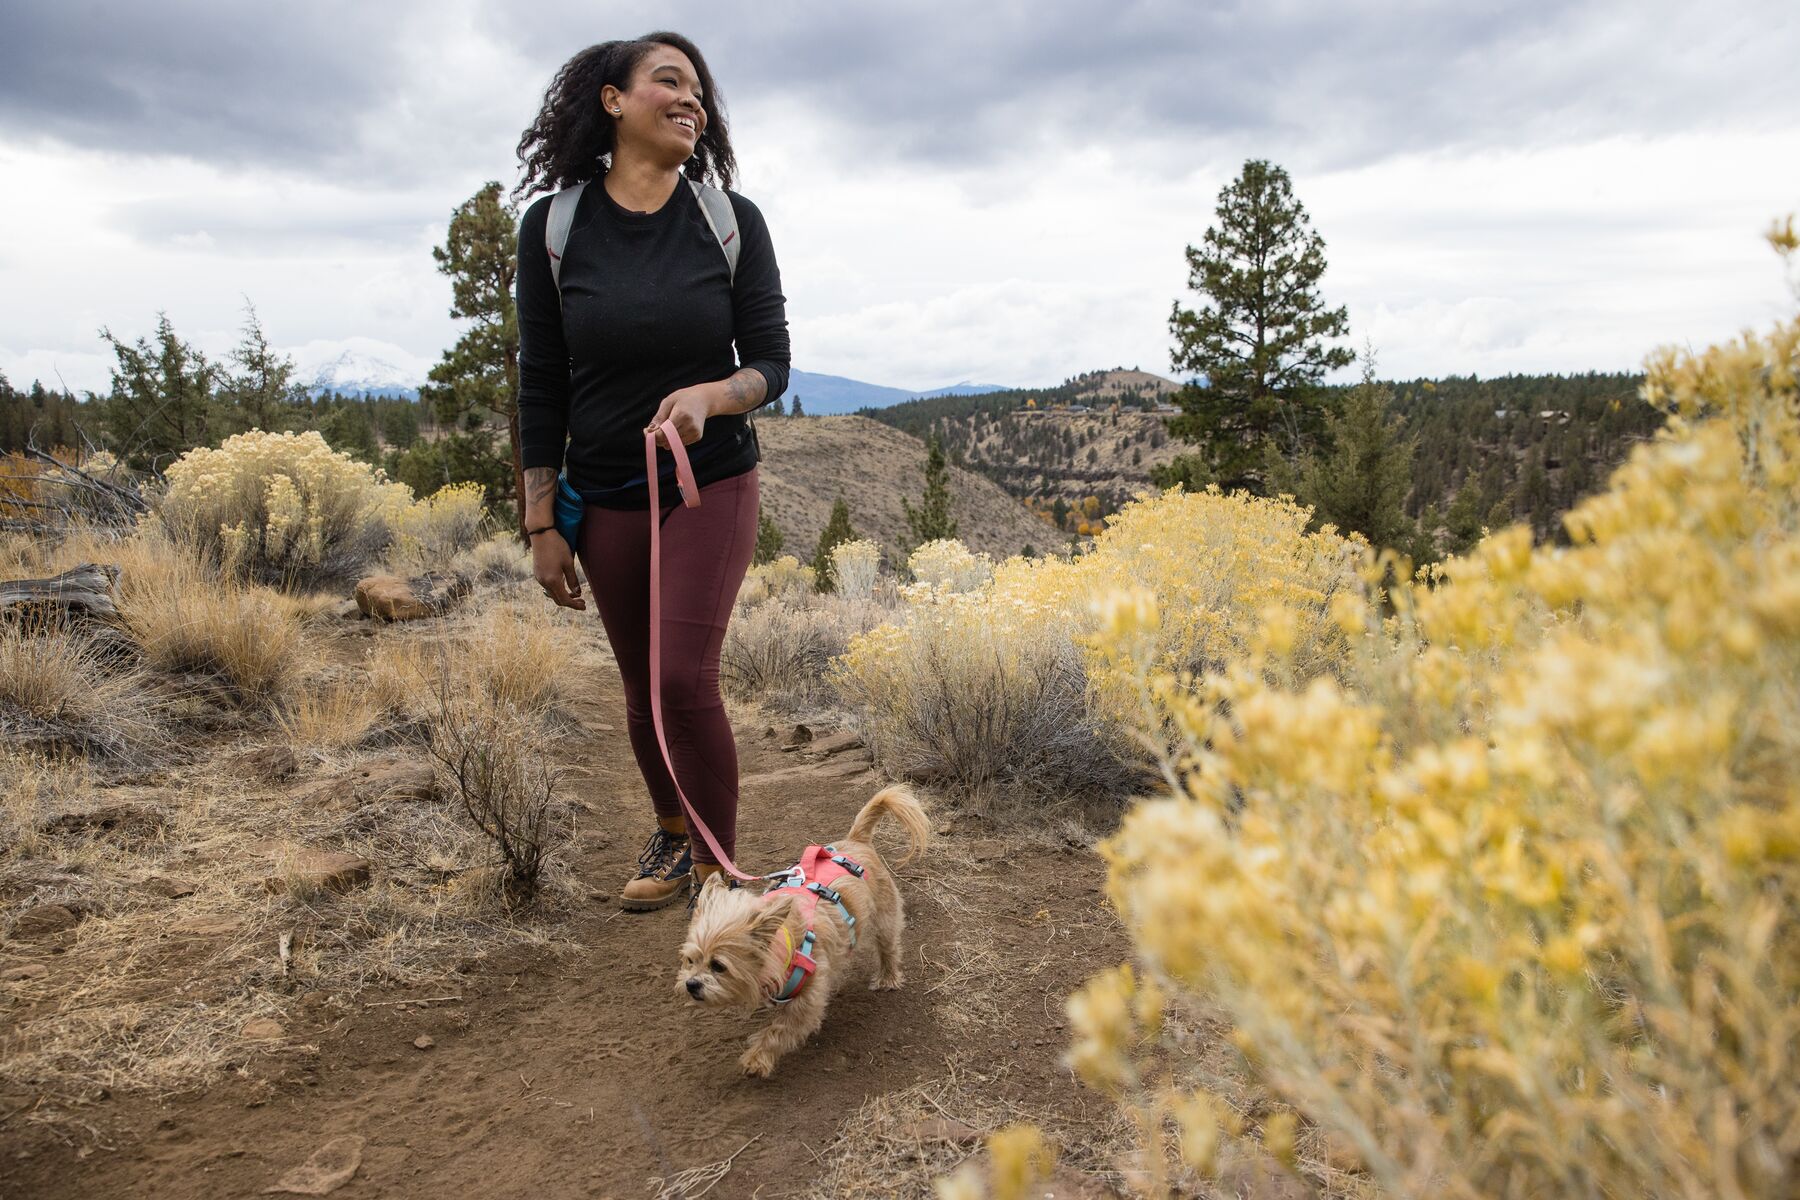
{"x":693,"y":987}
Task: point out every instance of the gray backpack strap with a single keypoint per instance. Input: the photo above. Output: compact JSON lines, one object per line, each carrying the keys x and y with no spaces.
{"x":721,"y":218}
{"x":556,"y":228}
{"x":715,"y":206}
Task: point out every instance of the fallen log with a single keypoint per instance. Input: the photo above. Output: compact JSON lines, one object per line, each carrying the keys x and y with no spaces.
{"x":83,"y":592}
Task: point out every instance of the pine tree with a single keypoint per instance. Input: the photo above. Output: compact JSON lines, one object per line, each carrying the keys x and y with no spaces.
{"x":837,"y":529}
{"x":1260,"y":338}
{"x":775,"y":407}
{"x":261,"y":392}
{"x":768,"y":540}
{"x":797,"y":411}
{"x":1361,"y":485}
{"x":161,"y":404}
{"x":1463,"y":521}
{"x":477,"y":380}
{"x":932,"y":519}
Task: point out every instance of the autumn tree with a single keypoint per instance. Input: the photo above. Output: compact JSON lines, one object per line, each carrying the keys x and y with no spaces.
{"x":1260,"y":341}
{"x":476,"y":384}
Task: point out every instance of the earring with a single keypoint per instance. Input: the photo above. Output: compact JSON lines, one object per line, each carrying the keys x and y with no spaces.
{"x":617,"y":111}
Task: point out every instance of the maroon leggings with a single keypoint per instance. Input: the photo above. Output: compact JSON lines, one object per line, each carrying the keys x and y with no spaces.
{"x":705,"y":553}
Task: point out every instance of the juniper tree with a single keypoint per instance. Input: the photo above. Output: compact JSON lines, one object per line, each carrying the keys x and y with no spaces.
{"x":768,"y":540}
{"x":1361,"y":484}
{"x":1259,"y":339}
{"x":162,"y":403}
{"x":477,"y":380}
{"x":260,"y":393}
{"x":932,"y":519}
{"x":837,"y":529}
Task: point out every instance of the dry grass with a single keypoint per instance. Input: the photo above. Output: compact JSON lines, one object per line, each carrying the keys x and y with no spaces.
{"x":330,"y":718}
{"x":63,"y":691}
{"x":499,"y":559}
{"x":776,"y":651}
{"x":898,"y":1144}
{"x":150,"y":991}
{"x":515,"y":653}
{"x":248,"y":642}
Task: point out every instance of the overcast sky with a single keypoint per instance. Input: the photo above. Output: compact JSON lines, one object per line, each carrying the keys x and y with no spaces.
{"x":997,"y":192}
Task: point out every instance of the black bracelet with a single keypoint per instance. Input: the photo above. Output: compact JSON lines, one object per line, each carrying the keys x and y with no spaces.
{"x":531,"y":533}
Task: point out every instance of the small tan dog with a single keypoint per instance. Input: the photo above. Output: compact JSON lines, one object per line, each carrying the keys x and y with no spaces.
{"x":742,"y":948}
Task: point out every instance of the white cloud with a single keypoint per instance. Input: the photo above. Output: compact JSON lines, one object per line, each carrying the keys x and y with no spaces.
{"x":1476,"y":221}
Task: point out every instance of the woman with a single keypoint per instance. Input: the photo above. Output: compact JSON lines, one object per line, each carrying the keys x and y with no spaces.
{"x":642,"y":332}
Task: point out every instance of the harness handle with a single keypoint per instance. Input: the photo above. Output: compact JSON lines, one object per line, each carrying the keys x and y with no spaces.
{"x":690,"y":495}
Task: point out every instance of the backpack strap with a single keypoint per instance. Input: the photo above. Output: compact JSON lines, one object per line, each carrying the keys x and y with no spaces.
{"x":721,"y":218}
{"x":715,"y":206}
{"x":557,"y":226}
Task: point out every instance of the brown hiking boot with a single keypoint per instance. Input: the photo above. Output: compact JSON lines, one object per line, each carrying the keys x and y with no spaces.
{"x":665,"y":871}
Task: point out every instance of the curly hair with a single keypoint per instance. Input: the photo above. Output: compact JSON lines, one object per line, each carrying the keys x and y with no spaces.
{"x":572,"y":137}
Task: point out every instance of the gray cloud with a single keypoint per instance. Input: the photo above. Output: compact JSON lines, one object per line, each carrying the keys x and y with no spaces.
{"x":1322,"y":83}
{"x":221,"y":82}
{"x":383,"y":89}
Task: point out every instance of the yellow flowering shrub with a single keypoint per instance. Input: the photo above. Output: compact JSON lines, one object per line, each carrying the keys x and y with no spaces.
{"x":280,"y":507}
{"x":949,"y":565}
{"x":1508,"y":906}
{"x":853,"y":567}
{"x":785,"y":579}
{"x":428,"y":533}
{"x":998,"y":689}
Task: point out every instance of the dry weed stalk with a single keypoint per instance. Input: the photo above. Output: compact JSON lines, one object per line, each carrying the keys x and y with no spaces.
{"x":482,"y":749}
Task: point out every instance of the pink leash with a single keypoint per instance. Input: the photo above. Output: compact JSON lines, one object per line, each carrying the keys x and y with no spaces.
{"x":690,"y":495}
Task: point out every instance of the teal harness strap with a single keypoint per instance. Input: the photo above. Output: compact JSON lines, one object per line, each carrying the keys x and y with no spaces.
{"x":803,"y":966}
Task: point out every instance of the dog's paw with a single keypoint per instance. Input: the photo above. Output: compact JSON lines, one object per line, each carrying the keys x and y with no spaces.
{"x":757,"y":1063}
{"x":888,"y":983}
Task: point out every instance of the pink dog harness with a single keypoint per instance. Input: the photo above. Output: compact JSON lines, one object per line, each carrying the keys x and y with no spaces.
{"x":819,"y":867}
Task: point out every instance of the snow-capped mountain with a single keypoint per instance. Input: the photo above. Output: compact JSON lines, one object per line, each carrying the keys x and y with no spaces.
{"x":359,"y":366}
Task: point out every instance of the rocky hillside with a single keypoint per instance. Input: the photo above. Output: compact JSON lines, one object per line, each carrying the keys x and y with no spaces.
{"x":808,"y":462}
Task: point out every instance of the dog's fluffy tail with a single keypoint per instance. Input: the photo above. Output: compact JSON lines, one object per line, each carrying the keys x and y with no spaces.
{"x":898,"y":802}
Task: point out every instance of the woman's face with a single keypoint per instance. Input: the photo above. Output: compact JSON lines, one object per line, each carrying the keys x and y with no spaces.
{"x":660,"y":114}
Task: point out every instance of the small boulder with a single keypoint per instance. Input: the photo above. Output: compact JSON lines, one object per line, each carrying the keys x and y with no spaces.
{"x":423,"y":1042}
{"x":44,"y":921}
{"x":329,"y":1168}
{"x":390,"y":598}
{"x":834,"y":743}
{"x":262,"y":1029}
{"x":320,"y":871}
{"x":799,"y":735}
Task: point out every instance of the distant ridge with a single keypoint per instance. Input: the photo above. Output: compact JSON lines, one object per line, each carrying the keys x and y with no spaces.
{"x":823,"y":395}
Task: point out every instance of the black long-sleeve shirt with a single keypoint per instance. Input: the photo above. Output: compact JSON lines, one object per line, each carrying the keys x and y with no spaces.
{"x":648,"y":307}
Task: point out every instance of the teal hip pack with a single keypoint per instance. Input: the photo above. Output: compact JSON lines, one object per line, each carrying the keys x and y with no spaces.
{"x":569,"y":510}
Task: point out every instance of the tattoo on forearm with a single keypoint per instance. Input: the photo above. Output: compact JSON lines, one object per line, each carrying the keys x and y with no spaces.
{"x":540,"y":482}
{"x":746,"y":389}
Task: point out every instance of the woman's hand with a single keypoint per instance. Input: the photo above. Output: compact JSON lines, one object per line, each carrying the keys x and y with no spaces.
{"x":554,"y":568}
{"x":688,"y":408}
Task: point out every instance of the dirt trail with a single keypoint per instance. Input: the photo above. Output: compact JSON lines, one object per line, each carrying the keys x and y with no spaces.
{"x":587,"y":1075}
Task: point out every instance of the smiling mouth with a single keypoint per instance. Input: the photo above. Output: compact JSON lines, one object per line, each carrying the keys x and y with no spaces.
{"x":687,"y":123}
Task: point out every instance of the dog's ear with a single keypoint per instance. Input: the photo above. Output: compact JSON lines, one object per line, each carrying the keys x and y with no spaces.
{"x":714,"y":881}
{"x":773,"y":916}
